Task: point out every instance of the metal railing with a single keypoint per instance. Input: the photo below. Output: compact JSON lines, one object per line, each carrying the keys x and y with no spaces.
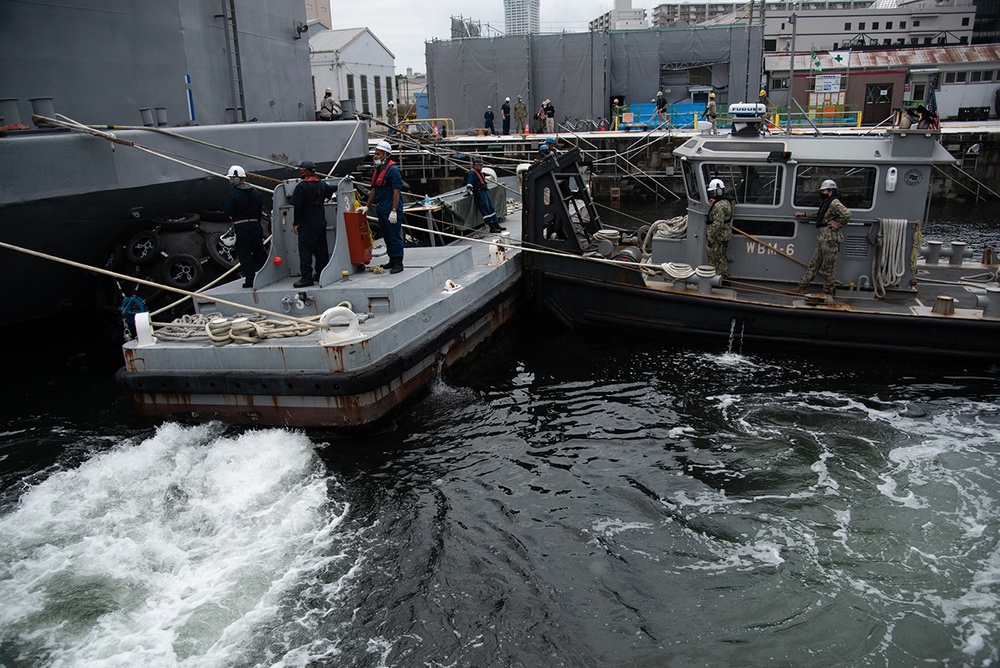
{"x":429,"y":125}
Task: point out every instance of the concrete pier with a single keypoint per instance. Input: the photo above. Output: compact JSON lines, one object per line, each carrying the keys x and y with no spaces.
{"x":641,"y":164}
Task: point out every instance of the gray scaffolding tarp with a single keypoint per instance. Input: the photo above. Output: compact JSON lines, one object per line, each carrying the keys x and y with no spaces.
{"x":582,"y":72}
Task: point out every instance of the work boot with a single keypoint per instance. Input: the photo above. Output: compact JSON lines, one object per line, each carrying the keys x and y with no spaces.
{"x":497,"y":228}
{"x":799,"y":290}
{"x":397,"y":265}
{"x":303,"y":282}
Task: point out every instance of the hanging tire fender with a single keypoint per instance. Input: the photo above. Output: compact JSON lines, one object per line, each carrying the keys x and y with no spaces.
{"x":183,"y":271}
{"x":177,"y":221}
{"x":220,"y":253}
{"x":143,"y":247}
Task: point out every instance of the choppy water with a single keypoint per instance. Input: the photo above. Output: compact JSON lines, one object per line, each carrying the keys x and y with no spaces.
{"x":563,"y":500}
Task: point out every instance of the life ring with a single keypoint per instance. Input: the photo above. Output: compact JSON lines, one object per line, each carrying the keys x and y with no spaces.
{"x":177,"y":221}
{"x":143,"y":248}
{"x":183,"y":271}
{"x":220,"y":253}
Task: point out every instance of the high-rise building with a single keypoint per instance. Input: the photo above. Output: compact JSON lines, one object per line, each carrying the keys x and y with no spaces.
{"x":622,"y":17}
{"x":319,"y":10}
{"x":520,"y":17}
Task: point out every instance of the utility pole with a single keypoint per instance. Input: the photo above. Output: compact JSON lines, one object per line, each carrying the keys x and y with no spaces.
{"x":791,"y":75}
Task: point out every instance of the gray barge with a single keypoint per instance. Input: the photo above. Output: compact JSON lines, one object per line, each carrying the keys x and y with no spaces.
{"x":362,"y":342}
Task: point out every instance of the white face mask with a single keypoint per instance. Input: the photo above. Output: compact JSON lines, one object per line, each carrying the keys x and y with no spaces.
{"x":378,"y":162}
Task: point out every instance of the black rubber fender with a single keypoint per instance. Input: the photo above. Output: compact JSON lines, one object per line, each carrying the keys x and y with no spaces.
{"x":220,"y":253}
{"x":177,"y":221}
{"x":183,"y":271}
{"x":143,"y":247}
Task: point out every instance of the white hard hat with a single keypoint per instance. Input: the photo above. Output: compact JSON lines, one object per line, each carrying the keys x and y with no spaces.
{"x":716,"y":185}
{"x":507,"y":100}
{"x":383,"y":146}
{"x":390,"y":103}
{"x":828,"y":184}
{"x":236,"y":170}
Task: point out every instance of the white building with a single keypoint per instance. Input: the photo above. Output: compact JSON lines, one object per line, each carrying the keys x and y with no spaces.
{"x":622,"y":17}
{"x":838,"y":24}
{"x":520,"y":17}
{"x":356,"y":66}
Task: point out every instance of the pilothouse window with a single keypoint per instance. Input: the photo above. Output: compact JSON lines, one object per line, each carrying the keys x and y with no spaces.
{"x":856,"y":185}
{"x":691,"y":181}
{"x":748,"y":184}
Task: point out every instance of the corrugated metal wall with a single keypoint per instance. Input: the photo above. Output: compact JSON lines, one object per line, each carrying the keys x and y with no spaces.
{"x":580,"y":72}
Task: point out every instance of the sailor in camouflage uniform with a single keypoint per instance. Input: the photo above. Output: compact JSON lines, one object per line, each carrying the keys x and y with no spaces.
{"x":830,"y":219}
{"x":720,"y":229}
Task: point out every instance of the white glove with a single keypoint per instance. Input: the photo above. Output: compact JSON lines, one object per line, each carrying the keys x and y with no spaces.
{"x":392,"y":216}
{"x":362,"y":210}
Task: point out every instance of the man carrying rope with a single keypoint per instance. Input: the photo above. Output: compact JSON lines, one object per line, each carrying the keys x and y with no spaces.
{"x":475,"y":185}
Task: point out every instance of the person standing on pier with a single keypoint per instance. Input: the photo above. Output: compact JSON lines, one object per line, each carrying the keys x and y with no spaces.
{"x":520,"y":116}
{"x":488,"y":118}
{"x":475,"y":185}
{"x":617,"y":110}
{"x":550,"y":117}
{"x":540,"y":118}
{"x":390,"y":117}
{"x":710,"y":113}
{"x":720,"y":227}
{"x":661,"y":108}
{"x":505,"y":116}
{"x":830,"y":218}
{"x":243,"y":206}
{"x":310,"y":223}
{"x":386,"y":193}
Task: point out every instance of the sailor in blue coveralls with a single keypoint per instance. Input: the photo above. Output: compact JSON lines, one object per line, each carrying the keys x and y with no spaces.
{"x":243,"y":206}
{"x":475,"y":185}
{"x":385,"y":192}
{"x":310,"y":223}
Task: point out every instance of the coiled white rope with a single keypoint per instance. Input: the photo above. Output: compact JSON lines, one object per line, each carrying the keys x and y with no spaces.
{"x":614,"y":236}
{"x":678,"y":271}
{"x":891,"y":260}
{"x":674,"y":228}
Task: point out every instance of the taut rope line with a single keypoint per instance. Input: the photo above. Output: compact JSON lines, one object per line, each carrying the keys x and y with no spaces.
{"x":133,"y":279}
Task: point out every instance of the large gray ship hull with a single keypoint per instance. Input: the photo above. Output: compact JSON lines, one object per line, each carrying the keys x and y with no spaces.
{"x":74,"y":196}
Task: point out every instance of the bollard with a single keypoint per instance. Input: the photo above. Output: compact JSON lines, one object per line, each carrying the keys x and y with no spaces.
{"x":932,"y":252}
{"x":944,"y":305}
{"x":990,"y":303}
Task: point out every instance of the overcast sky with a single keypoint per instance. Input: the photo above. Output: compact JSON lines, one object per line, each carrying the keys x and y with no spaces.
{"x":404,"y":25}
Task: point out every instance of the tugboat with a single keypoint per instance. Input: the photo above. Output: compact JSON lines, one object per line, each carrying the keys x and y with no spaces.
{"x":893,"y":293}
{"x":344,"y":352}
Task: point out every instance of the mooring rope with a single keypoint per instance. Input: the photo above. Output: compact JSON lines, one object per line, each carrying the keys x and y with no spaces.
{"x":890,"y":263}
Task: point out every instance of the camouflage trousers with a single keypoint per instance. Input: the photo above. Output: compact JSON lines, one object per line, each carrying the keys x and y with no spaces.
{"x":824,"y":259}
{"x":717,"y":257}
